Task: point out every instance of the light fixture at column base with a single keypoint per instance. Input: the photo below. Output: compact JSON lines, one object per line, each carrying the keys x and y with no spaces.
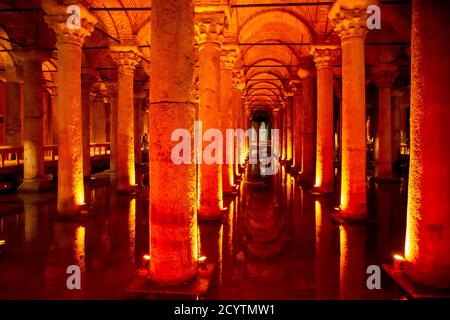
{"x":35,"y":185}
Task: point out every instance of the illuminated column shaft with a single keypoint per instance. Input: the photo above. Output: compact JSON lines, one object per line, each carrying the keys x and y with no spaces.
{"x":276,"y":126}
{"x":236,"y":103}
{"x":33,"y":124}
{"x":112,"y":89}
{"x":86,"y":105}
{"x":351,"y":26}
{"x":384,"y":77}
{"x":296,"y":88}
{"x":173,"y":209}
{"x":324,"y":58}
{"x":427,"y":246}
{"x":307,"y":131}
{"x":227,"y":61}
{"x":209,"y":29}
{"x":138,"y":129}
{"x":283,"y":131}
{"x":289,"y":134}
{"x":127,"y":58}
{"x":70,"y":151}
{"x":396,"y":131}
{"x":13,"y":104}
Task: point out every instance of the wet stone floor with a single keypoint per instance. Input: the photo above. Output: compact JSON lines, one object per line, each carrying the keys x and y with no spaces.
{"x":277,"y":241}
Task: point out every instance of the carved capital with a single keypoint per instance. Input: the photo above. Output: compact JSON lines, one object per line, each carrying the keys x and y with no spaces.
{"x":384,"y":75}
{"x":324,"y":56}
{"x":350,"y":22}
{"x":57,"y":18}
{"x":209,"y":27}
{"x":296,"y":87}
{"x":238,"y":80}
{"x":228,"y":59}
{"x":126,"y":57}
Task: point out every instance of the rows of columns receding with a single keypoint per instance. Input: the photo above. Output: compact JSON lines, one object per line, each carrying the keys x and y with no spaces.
{"x":178,"y":192}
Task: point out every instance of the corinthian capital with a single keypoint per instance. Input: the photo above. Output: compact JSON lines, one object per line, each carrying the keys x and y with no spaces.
{"x":126,"y":57}
{"x":57,"y":18}
{"x":238,"y":80}
{"x":228,"y":59}
{"x":384,"y":75}
{"x":209,"y":27}
{"x":350,"y":17}
{"x":296,"y":87}
{"x":324,"y":56}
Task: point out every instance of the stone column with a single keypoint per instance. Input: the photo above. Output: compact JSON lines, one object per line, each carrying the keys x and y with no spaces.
{"x":384,"y":76}
{"x":173,"y":205}
{"x":127,"y":58}
{"x":396,"y":130}
{"x":33,"y":124}
{"x":209,"y":35}
{"x":296,"y":88}
{"x":276,"y":126}
{"x":87,"y":80}
{"x":13,"y":107}
{"x":227,"y":61}
{"x":307,"y":130}
{"x":70,"y":152}
{"x":427,"y":245}
{"x":283,"y":135}
{"x":112,"y":91}
{"x":289,"y":131}
{"x":236,"y":98}
{"x":350,"y":24}
{"x":324,"y":57}
{"x":138,"y":127}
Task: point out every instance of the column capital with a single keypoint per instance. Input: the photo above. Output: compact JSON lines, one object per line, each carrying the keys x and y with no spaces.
{"x":350,"y":17}
{"x":209,"y":27}
{"x":296,"y":87}
{"x":126,"y":57}
{"x":384,"y":75}
{"x":57,"y":17}
{"x":13,"y":75}
{"x":238,"y":80}
{"x":228,"y":59}
{"x":324,"y":56}
{"x":276,"y":111}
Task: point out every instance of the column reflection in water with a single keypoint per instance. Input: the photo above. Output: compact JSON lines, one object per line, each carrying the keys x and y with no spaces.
{"x":326,"y":252}
{"x":132,"y":229}
{"x":352,"y":262}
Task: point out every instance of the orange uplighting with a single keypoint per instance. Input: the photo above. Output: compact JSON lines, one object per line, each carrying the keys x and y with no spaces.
{"x":398,"y":257}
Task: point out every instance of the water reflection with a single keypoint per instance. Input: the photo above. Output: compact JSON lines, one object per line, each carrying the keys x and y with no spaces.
{"x":276,"y":241}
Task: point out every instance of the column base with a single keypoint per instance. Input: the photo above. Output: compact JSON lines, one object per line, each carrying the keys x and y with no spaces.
{"x":230,"y":192}
{"x":205,"y":214}
{"x":318,"y":191}
{"x":127,"y":189}
{"x":305,"y":181}
{"x":385,"y":180}
{"x":412,"y":288}
{"x":80,"y":213}
{"x":342,"y":217}
{"x":198,"y":286}
{"x":35,"y":185}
